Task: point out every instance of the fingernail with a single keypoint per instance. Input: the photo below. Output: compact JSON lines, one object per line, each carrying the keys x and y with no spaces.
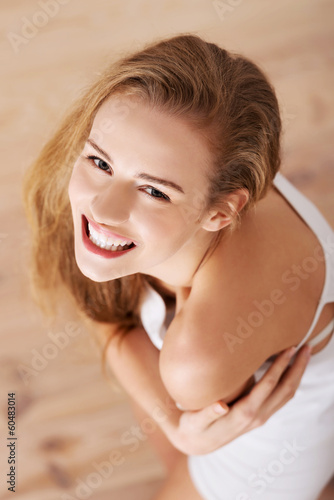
{"x":221,"y":408}
{"x":307,"y":352}
{"x":291,"y":351}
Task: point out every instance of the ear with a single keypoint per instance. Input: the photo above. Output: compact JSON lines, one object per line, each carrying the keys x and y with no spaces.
{"x":220,"y":216}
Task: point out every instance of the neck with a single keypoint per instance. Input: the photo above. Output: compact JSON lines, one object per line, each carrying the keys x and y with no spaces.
{"x":177,"y":275}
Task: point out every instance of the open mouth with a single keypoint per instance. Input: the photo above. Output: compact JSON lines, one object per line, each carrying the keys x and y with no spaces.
{"x":103,"y":244}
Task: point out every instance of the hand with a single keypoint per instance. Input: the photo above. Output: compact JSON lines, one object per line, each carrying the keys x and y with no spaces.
{"x":203,"y":431}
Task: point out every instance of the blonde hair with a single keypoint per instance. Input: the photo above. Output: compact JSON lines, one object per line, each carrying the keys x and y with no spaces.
{"x":224,"y":96}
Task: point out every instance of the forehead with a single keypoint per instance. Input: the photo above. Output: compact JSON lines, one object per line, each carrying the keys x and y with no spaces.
{"x":134,"y":133}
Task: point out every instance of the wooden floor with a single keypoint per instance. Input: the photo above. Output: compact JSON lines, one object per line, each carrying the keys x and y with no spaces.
{"x":69,"y":418}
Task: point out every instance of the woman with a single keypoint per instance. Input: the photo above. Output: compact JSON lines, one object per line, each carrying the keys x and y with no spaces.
{"x":185,"y":233}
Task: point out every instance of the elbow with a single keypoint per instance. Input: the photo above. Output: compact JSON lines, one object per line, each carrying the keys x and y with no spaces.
{"x":185,"y":397}
{"x":196,"y":384}
{"x":188,"y":384}
{"x":196,"y":374}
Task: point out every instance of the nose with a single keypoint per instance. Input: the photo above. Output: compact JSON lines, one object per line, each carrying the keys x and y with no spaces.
{"x":111,"y":206}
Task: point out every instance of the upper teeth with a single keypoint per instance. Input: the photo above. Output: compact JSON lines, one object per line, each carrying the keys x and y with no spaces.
{"x":104,"y":240}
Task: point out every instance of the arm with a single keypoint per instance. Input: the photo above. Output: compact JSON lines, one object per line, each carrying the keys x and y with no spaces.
{"x":194,"y":353}
{"x":135,"y":363}
{"x":208,"y":371}
{"x":201,"y":432}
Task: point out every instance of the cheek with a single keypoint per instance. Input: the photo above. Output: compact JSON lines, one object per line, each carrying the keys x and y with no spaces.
{"x":79,"y":186}
{"x":163,"y":226}
{"x":73,"y":187}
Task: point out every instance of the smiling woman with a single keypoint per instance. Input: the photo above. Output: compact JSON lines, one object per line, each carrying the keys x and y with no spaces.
{"x":116,"y":197}
{"x":165,"y":216}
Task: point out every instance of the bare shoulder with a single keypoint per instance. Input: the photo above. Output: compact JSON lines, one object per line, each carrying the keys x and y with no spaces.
{"x":254,"y":297}
{"x":263,"y":277}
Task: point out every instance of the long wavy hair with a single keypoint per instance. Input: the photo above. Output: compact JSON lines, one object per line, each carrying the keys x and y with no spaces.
{"x":224,"y":96}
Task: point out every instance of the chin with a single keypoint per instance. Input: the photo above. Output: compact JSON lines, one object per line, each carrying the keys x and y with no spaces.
{"x":93,"y":276}
{"x":90,"y":273}
{"x":97,"y":277}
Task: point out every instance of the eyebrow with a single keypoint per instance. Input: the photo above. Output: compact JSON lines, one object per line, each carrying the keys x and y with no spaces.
{"x":141,"y":175}
{"x":95,"y":146}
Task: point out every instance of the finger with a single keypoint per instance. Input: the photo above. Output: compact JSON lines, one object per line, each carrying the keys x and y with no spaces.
{"x":201,"y":419}
{"x":267,"y":396}
{"x":269,"y":381}
{"x":289,"y":382}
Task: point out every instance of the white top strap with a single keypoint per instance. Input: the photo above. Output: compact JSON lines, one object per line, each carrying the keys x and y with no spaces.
{"x":323,"y":231}
{"x":322,"y":335}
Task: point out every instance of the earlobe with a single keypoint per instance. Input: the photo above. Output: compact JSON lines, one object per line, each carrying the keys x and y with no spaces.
{"x":224,"y":213}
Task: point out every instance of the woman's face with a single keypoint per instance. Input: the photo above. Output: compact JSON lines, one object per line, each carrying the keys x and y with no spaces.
{"x":138,"y":193}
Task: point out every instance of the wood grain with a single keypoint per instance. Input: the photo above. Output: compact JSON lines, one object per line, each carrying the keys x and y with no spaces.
{"x":69,"y":417}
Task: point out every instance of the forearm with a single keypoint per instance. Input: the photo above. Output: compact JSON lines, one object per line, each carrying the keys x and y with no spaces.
{"x":135,"y":363}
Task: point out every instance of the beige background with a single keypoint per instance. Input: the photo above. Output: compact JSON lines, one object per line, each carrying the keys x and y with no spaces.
{"x":68,"y":416}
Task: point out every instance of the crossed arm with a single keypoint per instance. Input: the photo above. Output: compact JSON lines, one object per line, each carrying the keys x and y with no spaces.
{"x":136,"y":365}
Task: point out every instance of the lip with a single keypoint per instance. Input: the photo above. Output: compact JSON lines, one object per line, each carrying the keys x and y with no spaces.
{"x":100,"y":229}
{"x":89,"y":245}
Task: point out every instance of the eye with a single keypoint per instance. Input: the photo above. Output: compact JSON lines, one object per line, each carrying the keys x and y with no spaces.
{"x":103,"y":165}
{"x":155,"y":193}
{"x":98,"y":163}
